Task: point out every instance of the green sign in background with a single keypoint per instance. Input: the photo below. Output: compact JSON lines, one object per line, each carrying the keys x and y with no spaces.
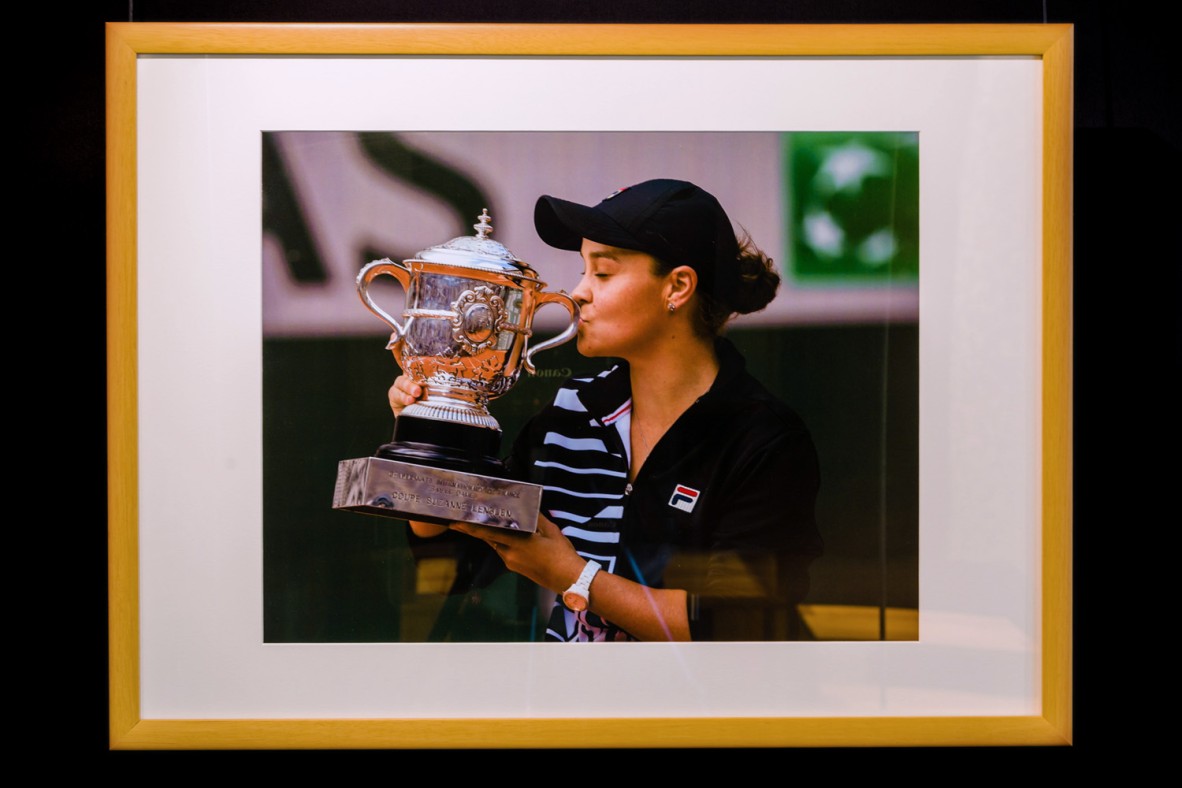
{"x":853,"y":206}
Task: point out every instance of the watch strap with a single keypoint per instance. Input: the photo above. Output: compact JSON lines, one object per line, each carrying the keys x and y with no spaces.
{"x":582,"y":586}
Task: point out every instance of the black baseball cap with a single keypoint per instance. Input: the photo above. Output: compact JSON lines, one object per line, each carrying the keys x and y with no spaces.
{"x":674,"y":221}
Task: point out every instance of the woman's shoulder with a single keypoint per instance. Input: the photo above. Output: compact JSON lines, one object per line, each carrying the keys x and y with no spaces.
{"x":740,"y":392}
{"x":579,"y":401}
{"x":746,"y":402}
{"x":598,"y":393}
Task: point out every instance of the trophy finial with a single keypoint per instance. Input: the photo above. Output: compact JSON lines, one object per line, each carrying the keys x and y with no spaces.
{"x":484,"y":228}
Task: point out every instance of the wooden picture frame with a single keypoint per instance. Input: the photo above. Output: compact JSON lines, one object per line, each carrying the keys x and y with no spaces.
{"x":1051,"y":724}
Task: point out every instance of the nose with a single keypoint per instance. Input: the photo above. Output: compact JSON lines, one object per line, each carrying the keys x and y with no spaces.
{"x":582,"y":293}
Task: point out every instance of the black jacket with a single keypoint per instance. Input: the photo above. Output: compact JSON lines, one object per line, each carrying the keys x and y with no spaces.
{"x":723,"y":506}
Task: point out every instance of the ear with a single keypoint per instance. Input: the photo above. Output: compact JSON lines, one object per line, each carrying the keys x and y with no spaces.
{"x":680,"y":285}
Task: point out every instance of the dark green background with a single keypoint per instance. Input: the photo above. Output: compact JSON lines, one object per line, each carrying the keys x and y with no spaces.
{"x":333,"y":576}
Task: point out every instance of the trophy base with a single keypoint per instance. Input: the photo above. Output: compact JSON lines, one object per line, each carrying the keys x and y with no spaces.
{"x":403,"y":490}
{"x":442,"y":444}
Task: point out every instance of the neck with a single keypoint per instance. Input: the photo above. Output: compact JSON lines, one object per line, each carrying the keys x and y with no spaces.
{"x":666,"y":382}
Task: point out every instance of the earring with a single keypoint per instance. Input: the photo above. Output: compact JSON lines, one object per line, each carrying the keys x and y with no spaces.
{"x":671,"y":306}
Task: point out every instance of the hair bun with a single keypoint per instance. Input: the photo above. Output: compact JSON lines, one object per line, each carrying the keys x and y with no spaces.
{"x":758,"y":279}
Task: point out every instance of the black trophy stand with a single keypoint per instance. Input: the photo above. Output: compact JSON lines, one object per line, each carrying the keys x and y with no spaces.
{"x":445,"y":444}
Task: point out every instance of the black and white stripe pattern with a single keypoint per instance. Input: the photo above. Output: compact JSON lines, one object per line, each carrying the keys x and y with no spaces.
{"x":582,"y":464}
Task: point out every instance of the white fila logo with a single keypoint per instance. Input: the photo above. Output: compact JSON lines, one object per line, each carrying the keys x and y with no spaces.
{"x":684,"y":498}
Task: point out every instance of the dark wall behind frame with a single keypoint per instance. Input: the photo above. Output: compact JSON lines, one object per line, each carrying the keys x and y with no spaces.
{"x":1127,"y":330}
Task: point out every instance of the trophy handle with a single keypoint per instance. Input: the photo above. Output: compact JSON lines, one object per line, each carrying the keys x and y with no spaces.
{"x":571,"y":330}
{"x":367,"y":275}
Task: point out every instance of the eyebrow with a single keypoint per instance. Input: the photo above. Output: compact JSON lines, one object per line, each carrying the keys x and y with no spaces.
{"x":598,"y":255}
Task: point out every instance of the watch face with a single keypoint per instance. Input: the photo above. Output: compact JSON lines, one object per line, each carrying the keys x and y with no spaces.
{"x":574,"y":601}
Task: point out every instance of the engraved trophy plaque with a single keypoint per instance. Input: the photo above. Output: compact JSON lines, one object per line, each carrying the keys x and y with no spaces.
{"x":464,"y":338}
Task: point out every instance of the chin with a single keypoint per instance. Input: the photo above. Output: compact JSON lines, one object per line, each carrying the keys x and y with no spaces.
{"x":589,"y":349}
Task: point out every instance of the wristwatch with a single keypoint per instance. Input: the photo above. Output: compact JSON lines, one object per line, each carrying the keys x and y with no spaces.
{"x":578,"y":596}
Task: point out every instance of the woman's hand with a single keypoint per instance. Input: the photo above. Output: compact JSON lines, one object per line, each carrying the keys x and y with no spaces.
{"x":546,"y":556}
{"x":549,"y":559}
{"x":426,"y":530}
{"x":404,"y":392}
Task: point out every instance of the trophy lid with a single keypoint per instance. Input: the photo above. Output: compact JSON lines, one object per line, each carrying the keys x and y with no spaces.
{"x":477,"y":251}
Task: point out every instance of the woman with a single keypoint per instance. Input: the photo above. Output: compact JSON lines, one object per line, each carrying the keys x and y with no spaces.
{"x":679,"y":492}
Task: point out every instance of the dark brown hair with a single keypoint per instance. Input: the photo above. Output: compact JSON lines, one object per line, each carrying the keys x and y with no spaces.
{"x":753,"y":281}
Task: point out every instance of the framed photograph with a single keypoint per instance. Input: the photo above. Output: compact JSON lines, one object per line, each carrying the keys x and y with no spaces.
{"x":253,"y":168}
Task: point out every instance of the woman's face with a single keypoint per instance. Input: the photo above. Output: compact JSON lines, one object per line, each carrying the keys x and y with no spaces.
{"x":621,"y":300}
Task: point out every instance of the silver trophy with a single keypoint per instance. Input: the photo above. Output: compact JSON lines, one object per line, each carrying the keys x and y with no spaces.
{"x":464,"y":338}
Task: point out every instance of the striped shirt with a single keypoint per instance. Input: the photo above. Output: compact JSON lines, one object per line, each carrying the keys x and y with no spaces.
{"x":582,"y":465}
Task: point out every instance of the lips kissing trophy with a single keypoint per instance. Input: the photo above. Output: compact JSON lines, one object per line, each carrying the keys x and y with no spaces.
{"x":464,"y":338}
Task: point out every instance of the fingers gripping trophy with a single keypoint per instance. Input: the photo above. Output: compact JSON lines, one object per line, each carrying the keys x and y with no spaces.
{"x":464,"y":337}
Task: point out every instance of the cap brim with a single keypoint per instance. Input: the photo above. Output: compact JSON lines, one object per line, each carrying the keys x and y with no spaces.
{"x":564,"y":224}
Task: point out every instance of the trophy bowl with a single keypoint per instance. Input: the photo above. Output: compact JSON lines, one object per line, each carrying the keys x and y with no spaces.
{"x":470,"y":306}
{"x":464,"y":337}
